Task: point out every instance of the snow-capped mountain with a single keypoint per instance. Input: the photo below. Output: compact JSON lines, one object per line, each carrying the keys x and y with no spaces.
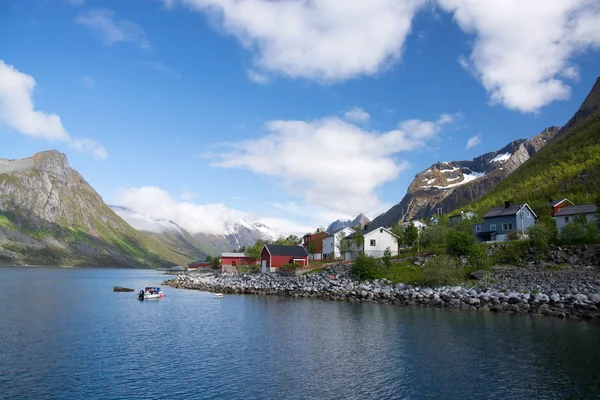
{"x":239,"y":234}
{"x":447,"y":186}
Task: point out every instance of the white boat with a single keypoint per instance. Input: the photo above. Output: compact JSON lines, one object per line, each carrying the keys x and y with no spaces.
{"x":218,"y":295}
{"x":151,"y":293}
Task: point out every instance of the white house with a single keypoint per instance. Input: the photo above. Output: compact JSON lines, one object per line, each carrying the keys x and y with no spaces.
{"x":375,"y":243}
{"x":331,"y":242}
{"x":568,"y":214}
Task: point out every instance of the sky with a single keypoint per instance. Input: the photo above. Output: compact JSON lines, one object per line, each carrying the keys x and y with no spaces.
{"x":294,"y":113}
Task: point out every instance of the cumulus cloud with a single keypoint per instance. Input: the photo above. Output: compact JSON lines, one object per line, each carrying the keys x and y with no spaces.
{"x":330,"y":162}
{"x":145,"y":205}
{"x":523,"y":50}
{"x":18,"y":113}
{"x":206,"y":218}
{"x":324,"y":40}
{"x":113,"y":30}
{"x":473,"y":141}
{"x":357,"y":114}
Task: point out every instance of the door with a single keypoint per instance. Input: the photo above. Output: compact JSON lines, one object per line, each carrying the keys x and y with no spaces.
{"x":263,"y":268}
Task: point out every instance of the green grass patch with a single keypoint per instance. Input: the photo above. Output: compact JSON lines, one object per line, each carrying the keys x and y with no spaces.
{"x":5,"y":222}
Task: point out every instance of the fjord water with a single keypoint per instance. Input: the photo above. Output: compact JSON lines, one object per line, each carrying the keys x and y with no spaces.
{"x":65,"y":334}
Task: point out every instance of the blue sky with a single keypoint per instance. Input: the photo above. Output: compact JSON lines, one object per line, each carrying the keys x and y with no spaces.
{"x":294,"y":113}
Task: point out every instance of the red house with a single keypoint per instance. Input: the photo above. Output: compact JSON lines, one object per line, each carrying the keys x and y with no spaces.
{"x":231,"y":261}
{"x":274,"y":256}
{"x":198,"y":264}
{"x":558,"y":204}
{"x":317,"y":243}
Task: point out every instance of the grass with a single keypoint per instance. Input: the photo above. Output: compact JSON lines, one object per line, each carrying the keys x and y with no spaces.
{"x":401,"y":273}
{"x":5,"y":222}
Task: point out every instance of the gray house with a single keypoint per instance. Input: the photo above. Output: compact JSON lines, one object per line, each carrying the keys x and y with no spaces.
{"x":568,"y":214}
{"x":498,"y":222}
{"x":458,"y":218}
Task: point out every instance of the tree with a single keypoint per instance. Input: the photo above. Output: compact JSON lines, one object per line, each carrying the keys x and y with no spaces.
{"x":253,"y":252}
{"x":291,"y":240}
{"x":358,"y":239}
{"x":387,"y":257}
{"x":215,"y":262}
{"x":398,"y":231}
{"x":312,"y":247}
{"x":410,"y":234}
{"x":434,"y":235}
{"x":208,"y":258}
{"x":343,"y":246}
{"x":460,"y":243}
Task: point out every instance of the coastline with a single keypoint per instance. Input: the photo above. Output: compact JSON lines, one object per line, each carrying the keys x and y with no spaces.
{"x":565,"y":293}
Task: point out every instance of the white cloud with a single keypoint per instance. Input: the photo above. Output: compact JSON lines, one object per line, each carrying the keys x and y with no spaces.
{"x":522,"y":49}
{"x":88,"y":81}
{"x":158,"y":203}
{"x":18,"y":113}
{"x":473,"y":141}
{"x":257,"y":77}
{"x":330,"y":162}
{"x":357,"y":114}
{"x":113,"y":30}
{"x":196,"y":218}
{"x":324,"y":40}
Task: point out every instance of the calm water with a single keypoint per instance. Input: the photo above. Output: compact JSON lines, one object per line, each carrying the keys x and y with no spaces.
{"x":65,"y":334}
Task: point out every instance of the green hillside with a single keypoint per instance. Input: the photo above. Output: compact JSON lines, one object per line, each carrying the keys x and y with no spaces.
{"x":569,"y":166}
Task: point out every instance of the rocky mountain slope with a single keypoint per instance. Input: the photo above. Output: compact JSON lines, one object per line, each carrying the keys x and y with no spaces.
{"x":169,"y":233}
{"x":569,"y":166}
{"x":49,"y":215}
{"x":335,"y":226}
{"x":240,"y":234}
{"x":446,"y":186}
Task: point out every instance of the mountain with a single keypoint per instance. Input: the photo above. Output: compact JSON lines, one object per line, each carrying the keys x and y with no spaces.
{"x":49,"y":215}
{"x":335,"y":226}
{"x":239,"y":234}
{"x":169,"y":233}
{"x":569,"y":166}
{"x":446,"y":186}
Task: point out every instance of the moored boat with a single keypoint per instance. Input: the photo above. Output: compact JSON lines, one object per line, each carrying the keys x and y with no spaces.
{"x":151,"y":293}
{"x":218,"y":295}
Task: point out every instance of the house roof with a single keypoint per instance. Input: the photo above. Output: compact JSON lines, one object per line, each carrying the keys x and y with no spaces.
{"x":574,"y":210}
{"x":368,"y":233}
{"x":339,"y":230}
{"x":554,"y":203}
{"x":506,"y":211}
{"x":233,"y":255}
{"x":292,"y":251}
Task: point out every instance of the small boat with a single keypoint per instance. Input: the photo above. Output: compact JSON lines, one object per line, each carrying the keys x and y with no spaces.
{"x":218,"y":295}
{"x":151,"y":293}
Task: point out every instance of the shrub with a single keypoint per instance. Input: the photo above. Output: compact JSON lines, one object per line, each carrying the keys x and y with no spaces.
{"x":478,"y":258}
{"x":508,"y":255}
{"x":542,"y":234}
{"x":441,"y":271}
{"x":460,"y":243}
{"x":513,"y":235}
{"x":365,"y":267}
{"x":387,"y":257}
{"x":436,"y":235}
{"x":573,"y":233}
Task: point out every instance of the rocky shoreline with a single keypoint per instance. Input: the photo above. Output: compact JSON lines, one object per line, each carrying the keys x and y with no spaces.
{"x":564,"y":293}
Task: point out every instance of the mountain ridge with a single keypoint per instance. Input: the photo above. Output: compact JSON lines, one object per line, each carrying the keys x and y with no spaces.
{"x":49,"y":215}
{"x":360,"y":220}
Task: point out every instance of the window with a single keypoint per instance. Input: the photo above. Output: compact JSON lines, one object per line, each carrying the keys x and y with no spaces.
{"x":492,"y":227}
{"x":233,"y":263}
{"x":507,"y":226}
{"x":528,"y":214}
{"x":566,"y":219}
{"x":373,"y":243}
{"x":477,"y":228}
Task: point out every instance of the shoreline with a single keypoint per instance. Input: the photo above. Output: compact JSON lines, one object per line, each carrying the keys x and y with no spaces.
{"x":570,"y":293}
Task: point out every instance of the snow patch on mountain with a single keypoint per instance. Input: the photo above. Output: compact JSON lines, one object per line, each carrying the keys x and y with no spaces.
{"x":501,"y":158}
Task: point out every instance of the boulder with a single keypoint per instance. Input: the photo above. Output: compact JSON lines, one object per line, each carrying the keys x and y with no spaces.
{"x":122,"y":289}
